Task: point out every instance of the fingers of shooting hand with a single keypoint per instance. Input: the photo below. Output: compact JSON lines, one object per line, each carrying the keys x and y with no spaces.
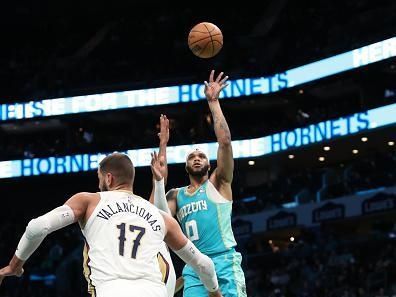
{"x":211,"y":76}
{"x":219,"y":77}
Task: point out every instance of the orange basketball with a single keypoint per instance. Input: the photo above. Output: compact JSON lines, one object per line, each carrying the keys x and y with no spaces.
{"x":205,"y":40}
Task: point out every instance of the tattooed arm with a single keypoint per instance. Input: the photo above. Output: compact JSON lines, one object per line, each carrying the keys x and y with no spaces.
{"x":222,"y":176}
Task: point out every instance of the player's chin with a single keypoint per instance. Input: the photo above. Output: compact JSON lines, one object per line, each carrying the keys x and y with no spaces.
{"x":201,"y":171}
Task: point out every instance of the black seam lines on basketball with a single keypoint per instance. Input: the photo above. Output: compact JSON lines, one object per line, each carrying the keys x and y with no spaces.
{"x":196,"y":31}
{"x":210,"y":38}
{"x":204,"y":38}
{"x":214,"y":28}
{"x":218,"y":42}
{"x":203,"y":48}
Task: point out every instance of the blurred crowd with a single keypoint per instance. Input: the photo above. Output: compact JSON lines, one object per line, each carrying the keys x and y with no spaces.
{"x":319,"y":184}
{"x":55,"y":270}
{"x":324,"y":265}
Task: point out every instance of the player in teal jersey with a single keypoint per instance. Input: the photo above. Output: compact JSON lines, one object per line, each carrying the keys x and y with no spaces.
{"x":204,"y":207}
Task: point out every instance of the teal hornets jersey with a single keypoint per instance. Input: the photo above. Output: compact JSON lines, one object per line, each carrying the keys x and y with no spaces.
{"x":205,"y":217}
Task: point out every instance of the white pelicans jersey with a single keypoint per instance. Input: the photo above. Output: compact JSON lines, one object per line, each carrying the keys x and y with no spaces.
{"x":123,"y":237}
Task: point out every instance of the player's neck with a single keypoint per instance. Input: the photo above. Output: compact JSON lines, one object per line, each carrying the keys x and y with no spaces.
{"x":197,"y":181}
{"x":123,"y":187}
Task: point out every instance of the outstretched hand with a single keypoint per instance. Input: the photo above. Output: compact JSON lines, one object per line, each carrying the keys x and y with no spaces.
{"x":163,"y":135}
{"x":157,"y":166}
{"x":10,"y":271}
{"x":214,"y":87}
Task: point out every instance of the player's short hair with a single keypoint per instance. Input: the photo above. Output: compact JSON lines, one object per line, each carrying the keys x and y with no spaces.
{"x":196,"y":150}
{"x":120,"y":166}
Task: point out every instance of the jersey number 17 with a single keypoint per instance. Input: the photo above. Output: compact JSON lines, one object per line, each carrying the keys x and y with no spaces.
{"x":136,"y":241}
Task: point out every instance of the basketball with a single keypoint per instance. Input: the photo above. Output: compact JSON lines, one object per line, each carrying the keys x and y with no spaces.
{"x":205,"y":40}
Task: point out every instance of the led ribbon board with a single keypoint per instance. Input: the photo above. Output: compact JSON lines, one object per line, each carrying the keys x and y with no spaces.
{"x":282,"y":141}
{"x":185,"y":93}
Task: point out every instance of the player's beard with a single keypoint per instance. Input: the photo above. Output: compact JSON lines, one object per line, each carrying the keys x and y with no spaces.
{"x":103,"y":187}
{"x":198,"y":173}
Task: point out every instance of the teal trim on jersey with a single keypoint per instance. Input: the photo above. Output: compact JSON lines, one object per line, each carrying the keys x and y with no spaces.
{"x":239,"y":276}
{"x":224,"y":211}
{"x":206,"y":222}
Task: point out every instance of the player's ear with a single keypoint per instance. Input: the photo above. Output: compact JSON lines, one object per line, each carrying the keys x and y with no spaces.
{"x":109,"y":179}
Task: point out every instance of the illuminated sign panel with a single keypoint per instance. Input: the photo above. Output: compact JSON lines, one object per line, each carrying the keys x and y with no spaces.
{"x":282,"y":141}
{"x":186,"y":93}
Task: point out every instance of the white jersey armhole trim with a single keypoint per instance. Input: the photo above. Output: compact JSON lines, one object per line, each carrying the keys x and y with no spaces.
{"x":163,"y":221}
{"x":214,"y":195}
{"x":95,"y":212}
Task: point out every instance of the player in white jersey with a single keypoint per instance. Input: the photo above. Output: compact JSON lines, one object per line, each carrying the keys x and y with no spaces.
{"x":123,"y":233}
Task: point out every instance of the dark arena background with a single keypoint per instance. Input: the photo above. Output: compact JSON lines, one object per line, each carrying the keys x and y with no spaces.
{"x":311,"y":107}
